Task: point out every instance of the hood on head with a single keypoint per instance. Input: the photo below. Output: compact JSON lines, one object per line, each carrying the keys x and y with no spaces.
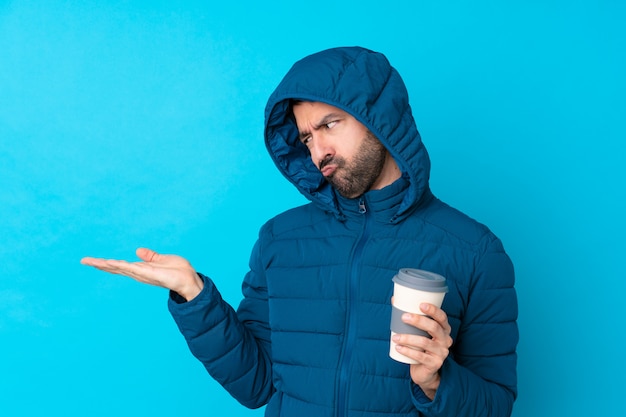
{"x":364,"y":84}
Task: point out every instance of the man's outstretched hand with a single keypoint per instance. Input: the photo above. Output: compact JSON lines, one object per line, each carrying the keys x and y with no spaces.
{"x":168,"y":271}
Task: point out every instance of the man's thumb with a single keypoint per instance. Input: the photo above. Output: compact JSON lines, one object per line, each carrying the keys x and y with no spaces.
{"x":147,"y":255}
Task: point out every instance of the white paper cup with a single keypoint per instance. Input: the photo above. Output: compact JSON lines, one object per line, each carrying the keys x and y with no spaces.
{"x":412,"y":287}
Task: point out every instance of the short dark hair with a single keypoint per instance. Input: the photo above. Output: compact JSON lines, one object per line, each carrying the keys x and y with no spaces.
{"x":293,"y":102}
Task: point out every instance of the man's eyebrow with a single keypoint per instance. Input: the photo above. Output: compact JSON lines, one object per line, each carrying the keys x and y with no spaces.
{"x":325,"y":120}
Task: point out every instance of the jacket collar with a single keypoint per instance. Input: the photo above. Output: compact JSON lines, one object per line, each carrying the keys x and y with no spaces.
{"x":382,"y":204}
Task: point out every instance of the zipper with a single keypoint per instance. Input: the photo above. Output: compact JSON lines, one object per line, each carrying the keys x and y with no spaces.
{"x":355,"y":269}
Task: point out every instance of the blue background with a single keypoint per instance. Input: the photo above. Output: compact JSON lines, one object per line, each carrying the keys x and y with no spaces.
{"x":125,"y":124}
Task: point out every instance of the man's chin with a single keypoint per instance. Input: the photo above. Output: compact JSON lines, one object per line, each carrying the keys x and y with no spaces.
{"x":344,"y":191}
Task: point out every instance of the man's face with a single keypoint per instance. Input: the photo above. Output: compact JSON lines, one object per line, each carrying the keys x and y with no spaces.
{"x":351,"y":159}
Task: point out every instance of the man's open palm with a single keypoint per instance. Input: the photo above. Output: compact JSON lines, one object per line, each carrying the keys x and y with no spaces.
{"x":168,"y":271}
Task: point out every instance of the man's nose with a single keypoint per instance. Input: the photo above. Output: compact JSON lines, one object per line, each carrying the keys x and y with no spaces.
{"x":321,"y":149}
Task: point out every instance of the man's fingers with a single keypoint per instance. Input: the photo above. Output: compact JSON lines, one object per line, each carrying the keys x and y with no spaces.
{"x":436,"y":314}
{"x":439,"y":331}
{"x":95,"y":262}
{"x":112,"y":266}
{"x":424,"y":323}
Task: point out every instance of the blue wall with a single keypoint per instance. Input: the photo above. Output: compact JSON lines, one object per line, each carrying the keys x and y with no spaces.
{"x":127,"y":123}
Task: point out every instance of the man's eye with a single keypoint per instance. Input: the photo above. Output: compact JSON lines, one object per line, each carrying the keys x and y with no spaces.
{"x":330,"y":125}
{"x":306,"y":139}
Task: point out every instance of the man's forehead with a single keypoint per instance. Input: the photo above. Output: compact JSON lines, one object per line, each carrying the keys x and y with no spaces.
{"x":315,"y":110}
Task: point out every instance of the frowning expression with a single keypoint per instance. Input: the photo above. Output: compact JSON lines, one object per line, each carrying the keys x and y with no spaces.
{"x":349,"y":156}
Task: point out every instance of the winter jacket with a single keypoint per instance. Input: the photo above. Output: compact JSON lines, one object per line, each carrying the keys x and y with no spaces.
{"x":311,"y":335}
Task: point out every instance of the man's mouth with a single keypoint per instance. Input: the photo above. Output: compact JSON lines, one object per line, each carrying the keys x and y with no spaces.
{"x":328,"y":166}
{"x":328,"y":170}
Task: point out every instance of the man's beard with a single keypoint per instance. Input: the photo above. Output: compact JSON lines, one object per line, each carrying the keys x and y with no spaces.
{"x":353,"y":179}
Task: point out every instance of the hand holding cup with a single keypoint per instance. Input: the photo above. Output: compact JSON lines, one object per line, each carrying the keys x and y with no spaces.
{"x":412,"y":288}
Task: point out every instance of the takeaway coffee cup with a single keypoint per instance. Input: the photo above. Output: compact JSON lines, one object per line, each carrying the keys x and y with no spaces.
{"x":411,"y":287}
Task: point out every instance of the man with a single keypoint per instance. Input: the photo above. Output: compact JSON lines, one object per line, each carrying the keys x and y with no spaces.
{"x":311,"y":335}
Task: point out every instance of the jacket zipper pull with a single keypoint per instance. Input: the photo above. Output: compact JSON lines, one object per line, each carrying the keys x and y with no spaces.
{"x":362,"y":208}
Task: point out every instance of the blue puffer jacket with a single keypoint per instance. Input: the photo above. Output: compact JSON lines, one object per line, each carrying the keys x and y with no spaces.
{"x":311,"y":336}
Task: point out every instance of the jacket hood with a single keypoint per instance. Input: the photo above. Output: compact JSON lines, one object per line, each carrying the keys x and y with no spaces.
{"x":364,"y":84}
